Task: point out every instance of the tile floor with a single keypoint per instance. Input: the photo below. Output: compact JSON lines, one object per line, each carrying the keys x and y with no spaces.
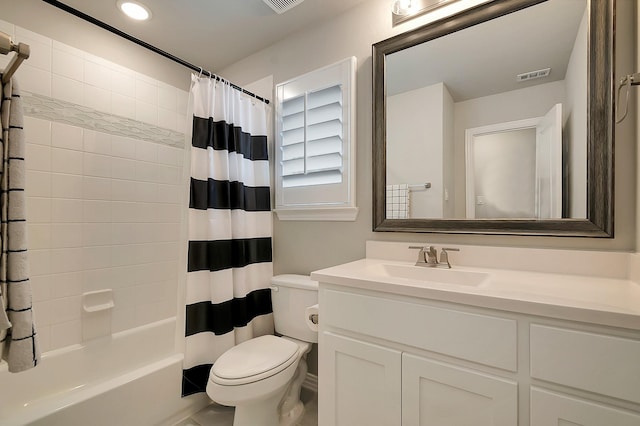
{"x":216,"y":415}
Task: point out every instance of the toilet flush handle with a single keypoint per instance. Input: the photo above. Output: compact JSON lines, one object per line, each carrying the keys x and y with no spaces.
{"x":274,"y":288}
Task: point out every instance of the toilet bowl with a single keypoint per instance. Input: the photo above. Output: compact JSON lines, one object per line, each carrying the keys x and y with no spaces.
{"x":262,"y":376}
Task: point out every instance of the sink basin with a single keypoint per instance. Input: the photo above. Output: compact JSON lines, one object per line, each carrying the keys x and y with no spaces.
{"x":439,"y":275}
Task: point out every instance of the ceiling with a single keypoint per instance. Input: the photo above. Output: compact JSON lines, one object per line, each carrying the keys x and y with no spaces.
{"x":213,"y":33}
{"x":484,"y":59}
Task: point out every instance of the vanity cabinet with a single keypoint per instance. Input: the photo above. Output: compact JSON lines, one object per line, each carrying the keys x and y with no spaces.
{"x":394,"y":360}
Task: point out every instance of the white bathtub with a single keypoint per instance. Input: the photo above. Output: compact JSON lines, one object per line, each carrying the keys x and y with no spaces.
{"x":131,"y":378}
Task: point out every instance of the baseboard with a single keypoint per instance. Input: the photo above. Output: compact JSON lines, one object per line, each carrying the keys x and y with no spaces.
{"x":311,"y":382}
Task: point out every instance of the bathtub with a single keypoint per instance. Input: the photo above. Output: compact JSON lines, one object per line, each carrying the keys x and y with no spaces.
{"x":130,"y":378}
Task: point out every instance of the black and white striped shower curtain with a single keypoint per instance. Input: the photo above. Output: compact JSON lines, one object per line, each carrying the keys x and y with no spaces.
{"x":228,"y":299}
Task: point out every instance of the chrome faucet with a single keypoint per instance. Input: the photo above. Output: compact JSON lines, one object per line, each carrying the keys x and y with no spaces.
{"x":428,"y":256}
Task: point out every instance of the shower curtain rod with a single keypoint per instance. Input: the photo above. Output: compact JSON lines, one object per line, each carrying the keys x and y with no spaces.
{"x":146,"y":45}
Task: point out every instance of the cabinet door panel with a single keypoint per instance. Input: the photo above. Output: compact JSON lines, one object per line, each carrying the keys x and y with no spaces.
{"x":360,"y":383}
{"x":438,"y":394}
{"x":552,"y":409}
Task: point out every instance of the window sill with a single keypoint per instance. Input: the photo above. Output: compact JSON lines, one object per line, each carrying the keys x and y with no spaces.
{"x":344,"y":214}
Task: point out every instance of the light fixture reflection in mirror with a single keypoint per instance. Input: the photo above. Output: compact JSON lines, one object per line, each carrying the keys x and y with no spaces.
{"x":404,"y":10}
{"x":443,"y":88}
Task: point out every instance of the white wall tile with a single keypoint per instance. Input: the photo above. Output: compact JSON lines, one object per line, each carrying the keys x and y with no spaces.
{"x":169,"y":175}
{"x":123,"y":168}
{"x":146,"y":192}
{"x":38,"y":184}
{"x":67,"y":285}
{"x":167,"y":119}
{"x":124,"y":106}
{"x":40,"y":55}
{"x":66,"y":136}
{"x":147,"y":113}
{"x":66,"y":210}
{"x":183,"y":102}
{"x":8,"y":28}
{"x":170,"y":156}
{"x":182,"y":124}
{"x":95,"y":188}
{"x":37,"y":131}
{"x":40,"y":288}
{"x":38,"y":210}
{"x":67,"y":65}
{"x":44,"y":333}
{"x":97,"y":165}
{"x":66,"y":89}
{"x":34,"y":80}
{"x":97,"y":257}
{"x":124,"y":212}
{"x":168,"y":213}
{"x":146,"y":92}
{"x":99,"y":279}
{"x":123,"y":147}
{"x":97,"y":75}
{"x":147,"y":172}
{"x":66,"y":186}
{"x":66,"y":161}
{"x":96,"y":234}
{"x":66,"y":235}
{"x":96,"y":98}
{"x":123,"y":190}
{"x":168,"y":97}
{"x":96,"y":211}
{"x":38,"y":157}
{"x":39,"y":262}
{"x":169,"y":194}
{"x":123,"y":84}
{"x":66,"y":334}
{"x":39,"y":236}
{"x":96,"y":142}
{"x":65,"y":309}
{"x":124,"y":233}
{"x":68,"y":49}
{"x":66,"y":260}
{"x":146,"y":151}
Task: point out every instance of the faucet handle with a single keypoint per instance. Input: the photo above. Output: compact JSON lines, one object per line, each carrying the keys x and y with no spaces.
{"x":444,"y":255}
{"x":428,"y":254}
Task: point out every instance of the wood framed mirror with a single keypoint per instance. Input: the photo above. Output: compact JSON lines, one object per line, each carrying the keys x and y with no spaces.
{"x":435,"y":85}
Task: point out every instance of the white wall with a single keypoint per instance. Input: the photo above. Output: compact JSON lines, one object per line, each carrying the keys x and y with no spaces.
{"x":302,"y":247}
{"x":416,"y":130}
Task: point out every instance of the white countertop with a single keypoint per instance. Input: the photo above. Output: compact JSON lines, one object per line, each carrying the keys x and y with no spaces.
{"x":597,"y":300}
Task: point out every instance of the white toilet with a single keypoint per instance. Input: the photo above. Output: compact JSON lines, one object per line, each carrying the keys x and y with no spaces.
{"x":262,"y":376}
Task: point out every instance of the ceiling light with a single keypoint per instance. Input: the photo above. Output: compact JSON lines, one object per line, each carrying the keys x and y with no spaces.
{"x":134,"y":10}
{"x":402,"y":7}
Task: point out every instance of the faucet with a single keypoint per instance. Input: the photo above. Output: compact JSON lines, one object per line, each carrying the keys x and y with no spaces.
{"x":428,"y":256}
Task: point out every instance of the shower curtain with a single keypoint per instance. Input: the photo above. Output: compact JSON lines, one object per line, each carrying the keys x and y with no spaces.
{"x":229,"y":264}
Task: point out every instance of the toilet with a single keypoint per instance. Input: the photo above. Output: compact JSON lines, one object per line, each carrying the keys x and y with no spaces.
{"x":262,"y":376}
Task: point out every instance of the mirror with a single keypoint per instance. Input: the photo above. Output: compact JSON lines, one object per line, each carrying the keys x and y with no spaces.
{"x":497,"y":120}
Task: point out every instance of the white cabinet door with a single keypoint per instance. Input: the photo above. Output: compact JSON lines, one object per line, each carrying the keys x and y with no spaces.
{"x":552,"y":409}
{"x":438,"y":394}
{"x":360,"y":383}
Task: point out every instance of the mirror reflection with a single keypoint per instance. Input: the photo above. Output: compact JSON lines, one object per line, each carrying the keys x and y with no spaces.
{"x":497,"y":130}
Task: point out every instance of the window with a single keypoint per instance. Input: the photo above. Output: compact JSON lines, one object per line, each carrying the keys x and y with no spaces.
{"x":315,"y":145}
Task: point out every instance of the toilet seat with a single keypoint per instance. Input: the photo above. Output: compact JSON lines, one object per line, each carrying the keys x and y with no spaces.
{"x":254,"y":360}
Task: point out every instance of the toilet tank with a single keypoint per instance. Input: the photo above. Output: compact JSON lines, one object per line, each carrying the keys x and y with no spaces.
{"x":290,"y":296}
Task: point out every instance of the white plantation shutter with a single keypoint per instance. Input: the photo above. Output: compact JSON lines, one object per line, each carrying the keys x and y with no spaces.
{"x":315,"y":151}
{"x":312,"y":138}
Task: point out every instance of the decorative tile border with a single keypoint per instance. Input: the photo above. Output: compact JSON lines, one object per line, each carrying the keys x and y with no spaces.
{"x":44,"y":107}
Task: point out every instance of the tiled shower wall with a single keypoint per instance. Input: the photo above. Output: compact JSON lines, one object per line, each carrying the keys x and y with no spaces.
{"x":104,"y":188}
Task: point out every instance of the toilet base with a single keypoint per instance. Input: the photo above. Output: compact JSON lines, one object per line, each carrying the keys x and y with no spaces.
{"x":262,"y":412}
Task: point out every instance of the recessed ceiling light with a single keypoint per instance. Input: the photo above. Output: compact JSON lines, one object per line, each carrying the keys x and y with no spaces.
{"x":134,"y":10}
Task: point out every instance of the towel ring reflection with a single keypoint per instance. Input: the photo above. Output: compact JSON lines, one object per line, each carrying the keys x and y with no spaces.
{"x":626,"y":82}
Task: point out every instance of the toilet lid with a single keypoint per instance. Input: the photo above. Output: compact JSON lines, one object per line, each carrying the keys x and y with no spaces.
{"x":255,"y":356}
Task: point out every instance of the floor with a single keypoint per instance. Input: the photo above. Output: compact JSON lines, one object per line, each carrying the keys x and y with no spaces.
{"x":216,"y":415}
